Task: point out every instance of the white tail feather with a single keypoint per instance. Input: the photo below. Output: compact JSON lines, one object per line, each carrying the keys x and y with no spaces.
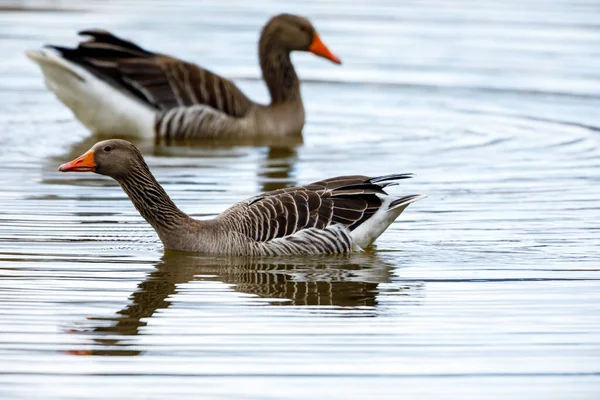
{"x":372,"y":228}
{"x":99,"y":106}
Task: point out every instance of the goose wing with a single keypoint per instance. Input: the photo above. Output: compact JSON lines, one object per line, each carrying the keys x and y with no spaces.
{"x":161,"y":81}
{"x":345,"y":201}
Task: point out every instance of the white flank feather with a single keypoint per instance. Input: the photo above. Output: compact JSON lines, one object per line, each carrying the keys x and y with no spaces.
{"x":99,"y":106}
{"x":372,"y":228}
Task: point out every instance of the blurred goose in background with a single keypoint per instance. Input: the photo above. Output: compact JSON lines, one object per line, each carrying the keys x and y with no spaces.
{"x":115,"y":87}
{"x":336,"y":215}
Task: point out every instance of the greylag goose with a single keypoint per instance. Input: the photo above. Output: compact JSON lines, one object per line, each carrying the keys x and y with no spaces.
{"x":336,"y":215}
{"x":115,"y":87}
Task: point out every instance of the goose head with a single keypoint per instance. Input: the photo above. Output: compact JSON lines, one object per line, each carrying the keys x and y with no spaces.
{"x":290,"y":32}
{"x":115,"y":158}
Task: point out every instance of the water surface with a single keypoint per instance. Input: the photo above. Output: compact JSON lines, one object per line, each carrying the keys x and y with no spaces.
{"x":487,"y":289}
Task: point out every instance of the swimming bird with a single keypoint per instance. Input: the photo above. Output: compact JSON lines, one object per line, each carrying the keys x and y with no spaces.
{"x":115,"y":87}
{"x":335,"y":215}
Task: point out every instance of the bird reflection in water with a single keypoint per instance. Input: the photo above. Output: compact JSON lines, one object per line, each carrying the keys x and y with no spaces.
{"x":277,"y":170}
{"x":348,"y":281}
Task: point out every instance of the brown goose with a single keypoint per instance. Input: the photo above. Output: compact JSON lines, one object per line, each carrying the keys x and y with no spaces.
{"x":336,"y":215}
{"x":115,"y":87}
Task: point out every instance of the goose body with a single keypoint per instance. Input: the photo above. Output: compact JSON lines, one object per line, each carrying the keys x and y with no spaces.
{"x":336,"y":215}
{"x":116,"y":87}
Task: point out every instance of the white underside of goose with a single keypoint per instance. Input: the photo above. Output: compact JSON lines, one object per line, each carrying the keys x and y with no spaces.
{"x":98,"y":105}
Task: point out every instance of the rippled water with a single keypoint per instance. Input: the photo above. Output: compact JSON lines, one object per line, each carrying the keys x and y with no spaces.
{"x":487,"y":289}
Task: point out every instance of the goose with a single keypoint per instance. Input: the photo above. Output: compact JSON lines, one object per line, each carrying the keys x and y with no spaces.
{"x":335,"y":215}
{"x":117,"y":88}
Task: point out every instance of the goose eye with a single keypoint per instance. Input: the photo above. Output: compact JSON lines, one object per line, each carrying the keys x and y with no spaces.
{"x":107,"y":149}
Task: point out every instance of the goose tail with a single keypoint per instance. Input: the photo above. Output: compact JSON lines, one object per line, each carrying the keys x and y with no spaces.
{"x":101,"y":107}
{"x":388,"y":212}
{"x":405,"y":201}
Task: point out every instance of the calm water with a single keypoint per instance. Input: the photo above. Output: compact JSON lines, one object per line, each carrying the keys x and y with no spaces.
{"x":489,"y":288}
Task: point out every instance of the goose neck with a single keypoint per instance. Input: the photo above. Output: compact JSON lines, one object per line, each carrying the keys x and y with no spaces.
{"x":152,"y":202}
{"x":279,"y":73}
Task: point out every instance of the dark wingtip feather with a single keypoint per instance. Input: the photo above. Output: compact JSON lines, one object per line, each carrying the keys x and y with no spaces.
{"x":94,"y":32}
{"x":391,"y":177}
{"x":103,"y":36}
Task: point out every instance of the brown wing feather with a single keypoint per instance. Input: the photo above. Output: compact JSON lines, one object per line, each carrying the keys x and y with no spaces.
{"x":346,"y":200}
{"x":161,"y":81}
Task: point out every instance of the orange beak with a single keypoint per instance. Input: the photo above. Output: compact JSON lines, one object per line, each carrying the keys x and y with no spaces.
{"x":84,"y":163}
{"x":318,"y":47}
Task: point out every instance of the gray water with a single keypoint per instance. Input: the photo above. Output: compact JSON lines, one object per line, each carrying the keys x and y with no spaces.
{"x":489,"y":288}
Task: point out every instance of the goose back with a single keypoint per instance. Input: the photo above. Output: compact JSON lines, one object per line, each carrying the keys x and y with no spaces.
{"x":314,"y":219}
{"x":159,"y":81}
